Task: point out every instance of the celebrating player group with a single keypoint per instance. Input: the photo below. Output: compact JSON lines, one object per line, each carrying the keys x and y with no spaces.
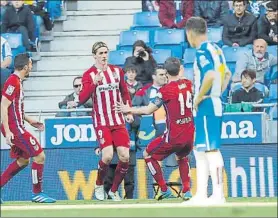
{"x":194,"y":117}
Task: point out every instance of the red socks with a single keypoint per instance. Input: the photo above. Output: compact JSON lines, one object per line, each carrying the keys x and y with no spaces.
{"x":10,"y":172}
{"x":184,"y":173}
{"x":156,"y":172}
{"x":102,"y":170}
{"x":120,"y":173}
{"x":37,"y":172}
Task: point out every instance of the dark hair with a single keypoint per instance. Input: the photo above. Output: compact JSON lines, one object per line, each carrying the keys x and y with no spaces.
{"x":172,"y":66}
{"x":250,"y":73}
{"x":76,"y":78}
{"x":271,"y":6}
{"x":141,"y":43}
{"x":197,"y":25}
{"x":244,"y":1}
{"x":21,"y":60}
{"x":158,"y":67}
{"x":97,"y":46}
{"x":130,"y":68}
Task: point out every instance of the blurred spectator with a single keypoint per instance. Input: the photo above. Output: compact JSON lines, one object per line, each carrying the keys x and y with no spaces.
{"x":38,"y":8}
{"x":132,"y":85}
{"x":240,"y":28}
{"x":19,"y":19}
{"x":267,"y":24}
{"x":148,"y":93}
{"x":143,"y":60}
{"x":167,"y":13}
{"x":71,"y":101}
{"x":255,"y":7}
{"x":6,"y":60}
{"x":212,"y":11}
{"x":248,"y":93}
{"x":150,"y":5}
{"x":257,"y":59}
{"x":4,"y":6}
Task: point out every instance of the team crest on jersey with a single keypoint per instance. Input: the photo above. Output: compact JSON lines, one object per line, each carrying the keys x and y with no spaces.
{"x":10,"y":90}
{"x":203,"y":61}
{"x":115,"y":75}
{"x":102,"y":141}
{"x":159,"y":95}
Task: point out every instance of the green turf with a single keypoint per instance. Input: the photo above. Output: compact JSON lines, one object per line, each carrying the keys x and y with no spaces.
{"x":165,"y":212}
{"x":150,"y":212}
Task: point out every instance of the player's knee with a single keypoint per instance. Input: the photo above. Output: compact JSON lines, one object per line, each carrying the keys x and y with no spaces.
{"x":23,"y":162}
{"x":39,"y":159}
{"x":124,"y":156}
{"x":145,"y":154}
{"x":107,"y":158}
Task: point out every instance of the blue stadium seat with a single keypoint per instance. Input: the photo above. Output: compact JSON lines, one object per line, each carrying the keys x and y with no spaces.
{"x":145,"y":20}
{"x":215,"y":35}
{"x":262,"y":88}
{"x":160,"y":55}
{"x":273,"y":49}
{"x":127,"y":38}
{"x":273,"y":73}
{"x":189,"y":57}
{"x":273,"y":93}
{"x":235,"y":87}
{"x":173,"y":39}
{"x":273,"y":113}
{"x":232,"y":54}
{"x":14,"y":39}
{"x":189,"y":74}
{"x":118,"y":57}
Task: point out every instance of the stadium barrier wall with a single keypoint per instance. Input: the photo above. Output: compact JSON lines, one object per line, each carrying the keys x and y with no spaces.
{"x":71,"y":164}
{"x":70,"y":173}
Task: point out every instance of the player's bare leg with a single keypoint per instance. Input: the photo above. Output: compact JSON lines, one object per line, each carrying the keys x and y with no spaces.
{"x":156,"y":172}
{"x":121,"y":170}
{"x":184,"y":169}
{"x":107,"y":155}
{"x":216,"y":166}
{"x":37,"y":179}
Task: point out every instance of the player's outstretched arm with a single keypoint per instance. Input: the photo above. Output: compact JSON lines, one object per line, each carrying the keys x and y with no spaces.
{"x":34,"y":123}
{"x":125,"y":108}
{"x":226,"y":81}
{"x":88,"y":88}
{"x":5,"y":103}
{"x":205,"y":87}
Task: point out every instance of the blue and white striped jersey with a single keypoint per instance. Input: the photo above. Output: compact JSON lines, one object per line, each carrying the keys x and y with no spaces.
{"x":209,"y":57}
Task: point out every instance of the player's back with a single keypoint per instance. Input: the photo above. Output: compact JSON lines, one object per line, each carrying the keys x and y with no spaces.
{"x":177,"y":96}
{"x":209,"y":57}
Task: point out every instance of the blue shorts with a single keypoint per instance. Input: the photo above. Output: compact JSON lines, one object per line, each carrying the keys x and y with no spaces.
{"x":208,"y":132}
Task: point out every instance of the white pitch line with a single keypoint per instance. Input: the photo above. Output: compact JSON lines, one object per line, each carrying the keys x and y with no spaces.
{"x":120,"y":206}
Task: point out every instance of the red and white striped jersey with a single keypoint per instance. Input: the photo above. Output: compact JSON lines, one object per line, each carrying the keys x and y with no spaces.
{"x":13,"y":91}
{"x":110,"y":90}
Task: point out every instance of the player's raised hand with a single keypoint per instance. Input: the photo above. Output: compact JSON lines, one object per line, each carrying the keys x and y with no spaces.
{"x":9,"y":138}
{"x":198,"y":101}
{"x":38,"y":125}
{"x":122,"y":108}
{"x":98,"y":78}
{"x":129,"y":118}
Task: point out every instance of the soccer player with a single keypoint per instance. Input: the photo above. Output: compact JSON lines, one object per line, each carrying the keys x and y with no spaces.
{"x":105,"y":84}
{"x":176,"y":97}
{"x":211,"y":77}
{"x":23,"y":144}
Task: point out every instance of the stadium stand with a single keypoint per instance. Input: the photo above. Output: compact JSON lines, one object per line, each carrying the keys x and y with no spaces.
{"x":160,"y":55}
{"x":173,"y":39}
{"x":118,"y":57}
{"x":127,"y":38}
